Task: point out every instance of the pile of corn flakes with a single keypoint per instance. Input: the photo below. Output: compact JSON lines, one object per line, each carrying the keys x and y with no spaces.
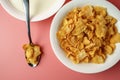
{"x":32,"y":52}
{"x":88,"y":34}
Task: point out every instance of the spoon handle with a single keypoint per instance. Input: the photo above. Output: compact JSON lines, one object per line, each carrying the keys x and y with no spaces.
{"x":26,"y":7}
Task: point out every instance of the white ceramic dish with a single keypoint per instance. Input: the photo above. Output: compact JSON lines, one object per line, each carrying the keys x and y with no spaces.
{"x":43,"y":14}
{"x":84,"y":68}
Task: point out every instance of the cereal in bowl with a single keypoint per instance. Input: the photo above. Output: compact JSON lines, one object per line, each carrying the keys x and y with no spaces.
{"x":88,"y":34}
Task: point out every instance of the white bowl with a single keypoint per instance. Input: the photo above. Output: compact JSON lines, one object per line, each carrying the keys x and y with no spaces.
{"x":44,"y":14}
{"x":84,"y":68}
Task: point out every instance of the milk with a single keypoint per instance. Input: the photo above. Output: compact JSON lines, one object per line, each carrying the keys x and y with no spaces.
{"x":36,"y":6}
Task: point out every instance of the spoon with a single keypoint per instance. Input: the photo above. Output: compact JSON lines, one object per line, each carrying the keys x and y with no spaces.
{"x":32,"y":51}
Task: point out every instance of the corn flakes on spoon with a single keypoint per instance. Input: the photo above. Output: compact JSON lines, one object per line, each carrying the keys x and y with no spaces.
{"x":32,"y":51}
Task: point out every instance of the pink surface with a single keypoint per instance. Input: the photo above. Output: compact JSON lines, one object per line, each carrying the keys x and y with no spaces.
{"x":12,"y":62}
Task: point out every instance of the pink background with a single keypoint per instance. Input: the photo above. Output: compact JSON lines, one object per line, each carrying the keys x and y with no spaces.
{"x":12,"y":62}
